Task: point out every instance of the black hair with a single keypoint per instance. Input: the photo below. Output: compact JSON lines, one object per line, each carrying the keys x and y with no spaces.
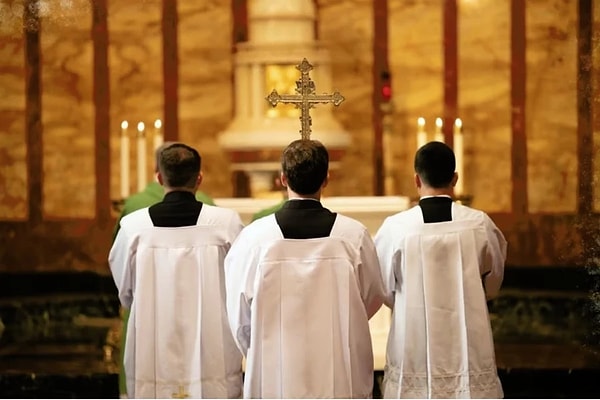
{"x":435,"y":164}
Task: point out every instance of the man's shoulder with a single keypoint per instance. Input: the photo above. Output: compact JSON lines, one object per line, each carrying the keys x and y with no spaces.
{"x":219,"y":212}
{"x":349,"y":222}
{"x":135,"y":216}
{"x":464,"y":212}
{"x":407,"y":216}
{"x":349,"y":228}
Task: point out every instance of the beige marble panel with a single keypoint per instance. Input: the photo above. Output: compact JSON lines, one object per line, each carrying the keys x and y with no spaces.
{"x":484,"y":102}
{"x":68,"y":111}
{"x":596,"y":105}
{"x":552,"y":105}
{"x":346,"y":30}
{"x":13,"y":147}
{"x":416,"y":66}
{"x":206,"y":86}
{"x":136,"y":81}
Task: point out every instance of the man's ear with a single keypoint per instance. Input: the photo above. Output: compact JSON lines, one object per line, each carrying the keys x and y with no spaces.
{"x":326,"y":181}
{"x":418,"y":182}
{"x":199,"y":180}
{"x":283,"y":180}
{"x":159,"y":178}
{"x":455,"y":179}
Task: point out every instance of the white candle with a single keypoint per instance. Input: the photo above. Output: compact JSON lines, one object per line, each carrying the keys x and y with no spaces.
{"x":141,"y":156}
{"x":124,"y":160}
{"x":421,"y":134}
{"x":439,"y":135}
{"x":459,"y":153}
{"x":158,"y":137}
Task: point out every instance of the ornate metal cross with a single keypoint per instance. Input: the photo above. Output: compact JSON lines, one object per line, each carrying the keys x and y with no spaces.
{"x":305,"y":98}
{"x":181,"y":394}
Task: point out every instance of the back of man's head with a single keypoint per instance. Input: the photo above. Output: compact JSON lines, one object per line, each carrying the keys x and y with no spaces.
{"x":179,"y":165}
{"x":305,"y":164}
{"x":435,"y":164}
{"x":157,"y":152}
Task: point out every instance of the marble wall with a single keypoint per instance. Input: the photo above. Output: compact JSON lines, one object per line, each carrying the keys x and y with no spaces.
{"x":551,"y":111}
{"x":416,"y":67}
{"x":484,"y":101}
{"x":13,"y":147}
{"x":67,"y":111}
{"x":136,"y":83}
{"x":596,"y":103}
{"x":346,"y":29}
{"x":206,"y":86}
{"x":349,"y":40}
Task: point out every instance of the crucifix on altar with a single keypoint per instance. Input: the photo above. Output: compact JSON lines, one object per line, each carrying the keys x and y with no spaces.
{"x":305,"y":98}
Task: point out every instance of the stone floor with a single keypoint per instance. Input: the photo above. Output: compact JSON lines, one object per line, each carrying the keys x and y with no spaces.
{"x":61,"y":339}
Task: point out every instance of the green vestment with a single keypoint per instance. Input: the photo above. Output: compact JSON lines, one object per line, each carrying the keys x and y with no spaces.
{"x":269,"y":210}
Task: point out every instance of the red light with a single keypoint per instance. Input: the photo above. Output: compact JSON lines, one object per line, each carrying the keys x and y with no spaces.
{"x":386,"y":92}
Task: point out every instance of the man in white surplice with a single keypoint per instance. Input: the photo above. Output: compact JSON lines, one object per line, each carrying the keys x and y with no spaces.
{"x":440,"y":262}
{"x":302,"y":284}
{"x":167,"y":263}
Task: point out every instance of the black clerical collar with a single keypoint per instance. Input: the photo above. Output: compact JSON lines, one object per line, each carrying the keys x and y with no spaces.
{"x":179,"y":195}
{"x":302,"y":204}
{"x":436,"y":208}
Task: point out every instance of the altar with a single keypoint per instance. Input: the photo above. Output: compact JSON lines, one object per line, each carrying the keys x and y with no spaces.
{"x":371,"y":211}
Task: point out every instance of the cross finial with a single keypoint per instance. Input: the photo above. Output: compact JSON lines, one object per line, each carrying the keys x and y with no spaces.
{"x":305,"y":98}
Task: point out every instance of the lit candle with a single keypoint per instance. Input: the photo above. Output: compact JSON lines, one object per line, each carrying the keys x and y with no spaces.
{"x":459,"y":153}
{"x":158,"y":137}
{"x":439,"y":135}
{"x":141,"y":156}
{"x":421,"y":134}
{"x":124,"y":160}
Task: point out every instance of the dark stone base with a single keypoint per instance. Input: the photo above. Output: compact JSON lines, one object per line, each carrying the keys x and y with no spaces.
{"x":58,"y":386}
{"x":57,"y":341}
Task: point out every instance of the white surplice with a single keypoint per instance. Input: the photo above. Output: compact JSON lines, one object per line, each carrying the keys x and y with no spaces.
{"x":178,"y":338}
{"x":299,"y":310}
{"x":440,"y":343}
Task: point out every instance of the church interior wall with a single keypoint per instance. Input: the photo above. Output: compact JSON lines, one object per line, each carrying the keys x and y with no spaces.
{"x":596,"y":106}
{"x":484,"y":102}
{"x":136,"y":82}
{"x":349,"y":41}
{"x":68,"y":115}
{"x":13,"y":170}
{"x":206,"y":103}
{"x":551,"y":111}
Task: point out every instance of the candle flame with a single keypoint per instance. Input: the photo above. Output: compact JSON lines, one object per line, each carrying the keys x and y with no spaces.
{"x":124,"y":125}
{"x":438,"y":122}
{"x":158,"y":124}
{"x":421,"y":121}
{"x":458,"y":122}
{"x":140,"y":126}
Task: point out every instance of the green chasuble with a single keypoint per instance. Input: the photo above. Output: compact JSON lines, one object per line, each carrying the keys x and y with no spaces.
{"x":268,"y":211}
{"x":152,"y":194}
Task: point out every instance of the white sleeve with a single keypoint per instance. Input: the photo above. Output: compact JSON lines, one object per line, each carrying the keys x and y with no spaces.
{"x":241,"y":264}
{"x":235,"y":225}
{"x":384,"y":244}
{"x":370,"y":275}
{"x":492,"y":269}
{"x":121,"y":261}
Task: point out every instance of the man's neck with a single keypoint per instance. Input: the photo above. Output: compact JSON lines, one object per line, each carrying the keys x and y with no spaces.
{"x":179,"y":189}
{"x":426,"y":191}
{"x":295,"y":196}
